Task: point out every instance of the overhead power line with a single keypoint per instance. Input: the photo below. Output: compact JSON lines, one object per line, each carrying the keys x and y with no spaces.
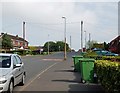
{"x":11,"y":25}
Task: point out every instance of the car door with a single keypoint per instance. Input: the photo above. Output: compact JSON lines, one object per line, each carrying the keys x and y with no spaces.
{"x":21,"y":68}
{"x":16,"y":70}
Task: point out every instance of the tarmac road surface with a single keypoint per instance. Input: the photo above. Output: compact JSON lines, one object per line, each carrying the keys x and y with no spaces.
{"x":52,"y":73}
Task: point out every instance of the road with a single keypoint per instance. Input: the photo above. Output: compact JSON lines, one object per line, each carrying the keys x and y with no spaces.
{"x":34,"y":65}
{"x":52,"y":73}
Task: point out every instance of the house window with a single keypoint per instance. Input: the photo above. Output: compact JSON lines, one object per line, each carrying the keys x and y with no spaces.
{"x":13,"y":42}
{"x":25,"y":43}
{"x":21,"y":43}
{"x":16,"y":42}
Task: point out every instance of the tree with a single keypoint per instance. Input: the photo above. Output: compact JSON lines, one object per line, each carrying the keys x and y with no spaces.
{"x":106,"y":46}
{"x":52,"y":46}
{"x":6,"y":42}
{"x":90,"y":44}
{"x":55,"y":46}
{"x":98,"y":45}
{"x":61,"y":46}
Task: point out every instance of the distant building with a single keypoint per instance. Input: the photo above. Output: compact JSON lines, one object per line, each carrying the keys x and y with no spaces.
{"x":114,"y":45}
{"x":36,"y":49}
{"x":18,"y":42}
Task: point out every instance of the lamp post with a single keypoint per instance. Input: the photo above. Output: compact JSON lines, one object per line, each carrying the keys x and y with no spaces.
{"x":89,"y":41}
{"x":24,"y":35}
{"x":85,"y":40}
{"x":59,"y":48}
{"x":82,"y":36}
{"x":65,"y":38}
{"x":48,"y":44}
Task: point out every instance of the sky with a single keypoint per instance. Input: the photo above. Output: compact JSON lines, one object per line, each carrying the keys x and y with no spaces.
{"x":44,"y":20}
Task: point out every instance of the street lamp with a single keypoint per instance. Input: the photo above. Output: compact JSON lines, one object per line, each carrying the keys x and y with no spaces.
{"x":82,"y":36}
{"x":48,"y":44}
{"x":59,"y":48}
{"x":85,"y":40}
{"x":65,"y":38}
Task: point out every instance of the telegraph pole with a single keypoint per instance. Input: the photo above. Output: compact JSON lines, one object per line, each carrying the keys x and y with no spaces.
{"x":48,"y":44}
{"x":85,"y":40}
{"x":82,"y":36}
{"x":70,"y":42}
{"x":23,"y":35}
{"x":89,"y":41}
{"x":65,"y":57}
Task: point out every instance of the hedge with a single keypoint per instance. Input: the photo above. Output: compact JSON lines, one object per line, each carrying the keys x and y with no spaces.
{"x":96,"y":57}
{"x":92,"y":54}
{"x":108,"y":75}
{"x":112,"y":58}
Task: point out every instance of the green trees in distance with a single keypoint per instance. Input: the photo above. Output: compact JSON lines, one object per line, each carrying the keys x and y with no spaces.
{"x":6,"y":42}
{"x":90,"y":44}
{"x":55,"y":46}
{"x":106,"y":46}
{"x":95,"y":44}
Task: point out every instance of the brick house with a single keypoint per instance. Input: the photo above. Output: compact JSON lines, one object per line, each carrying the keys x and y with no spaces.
{"x":18,"y":42}
{"x":114,"y":45}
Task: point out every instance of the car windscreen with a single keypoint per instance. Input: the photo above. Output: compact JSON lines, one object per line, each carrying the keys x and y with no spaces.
{"x":5,"y":61}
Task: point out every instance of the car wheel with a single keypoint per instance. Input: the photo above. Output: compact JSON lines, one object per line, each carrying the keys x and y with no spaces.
{"x":10,"y":89}
{"x":23,"y":80}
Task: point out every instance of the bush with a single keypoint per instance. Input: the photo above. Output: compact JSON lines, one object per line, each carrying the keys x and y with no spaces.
{"x":19,"y":52}
{"x":108,"y":75}
{"x":112,"y":58}
{"x":92,"y":54}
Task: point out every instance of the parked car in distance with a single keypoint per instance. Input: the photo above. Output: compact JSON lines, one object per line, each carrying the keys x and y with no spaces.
{"x":110,"y":54}
{"x":12,"y":72}
{"x":106,"y":53}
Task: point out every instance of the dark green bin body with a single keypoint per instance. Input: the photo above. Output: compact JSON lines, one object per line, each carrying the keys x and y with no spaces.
{"x":87,"y":69}
{"x":77,"y":63}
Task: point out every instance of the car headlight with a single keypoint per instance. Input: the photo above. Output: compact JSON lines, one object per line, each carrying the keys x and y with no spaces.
{"x":2,"y":80}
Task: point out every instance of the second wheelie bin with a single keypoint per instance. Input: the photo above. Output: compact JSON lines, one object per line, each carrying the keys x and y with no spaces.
{"x":77,"y":63}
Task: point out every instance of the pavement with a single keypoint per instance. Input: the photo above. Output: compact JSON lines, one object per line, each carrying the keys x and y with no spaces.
{"x":60,"y":76}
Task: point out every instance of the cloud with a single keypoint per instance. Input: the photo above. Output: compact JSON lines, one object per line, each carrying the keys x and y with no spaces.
{"x":0,"y":17}
{"x":45,"y":18}
{"x":59,"y":0}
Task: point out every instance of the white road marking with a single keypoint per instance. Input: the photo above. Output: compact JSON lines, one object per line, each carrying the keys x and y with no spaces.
{"x":38,"y":76}
{"x":53,"y":59}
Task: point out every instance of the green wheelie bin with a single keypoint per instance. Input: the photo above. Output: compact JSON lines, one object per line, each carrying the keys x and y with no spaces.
{"x":77,"y":63}
{"x":87,"y":70}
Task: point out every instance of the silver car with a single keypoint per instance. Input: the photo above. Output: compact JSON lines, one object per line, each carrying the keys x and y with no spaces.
{"x":11,"y":72}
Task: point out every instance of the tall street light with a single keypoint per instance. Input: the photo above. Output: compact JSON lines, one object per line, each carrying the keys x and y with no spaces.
{"x":48,"y":44}
{"x":82,"y":36}
{"x":85,"y":39}
{"x":24,"y":35}
{"x":65,"y":38}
